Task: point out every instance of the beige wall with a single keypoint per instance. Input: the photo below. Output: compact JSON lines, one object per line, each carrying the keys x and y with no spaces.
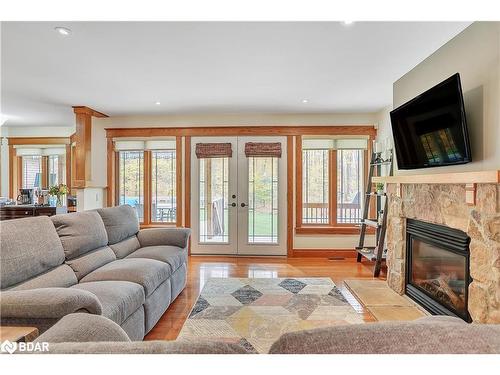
{"x":474,"y":54}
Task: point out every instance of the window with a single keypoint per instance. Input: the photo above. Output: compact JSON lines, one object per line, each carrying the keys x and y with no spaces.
{"x":315,"y":187}
{"x":131,"y":180}
{"x":145,"y":177}
{"x":349,"y":186}
{"x":32,"y":172}
{"x":56,"y":169}
{"x":163,"y":186}
{"x":331,"y":174}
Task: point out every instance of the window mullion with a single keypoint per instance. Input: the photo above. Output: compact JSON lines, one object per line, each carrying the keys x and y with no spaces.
{"x":333,"y":187}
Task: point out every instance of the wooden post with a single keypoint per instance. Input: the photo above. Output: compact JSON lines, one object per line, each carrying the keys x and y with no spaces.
{"x":83,"y":140}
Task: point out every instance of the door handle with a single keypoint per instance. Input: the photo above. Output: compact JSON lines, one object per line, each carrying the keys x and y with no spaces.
{"x":233,"y":204}
{"x":243,"y":205}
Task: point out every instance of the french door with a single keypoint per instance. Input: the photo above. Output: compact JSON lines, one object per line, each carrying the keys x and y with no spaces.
{"x":238,"y":203}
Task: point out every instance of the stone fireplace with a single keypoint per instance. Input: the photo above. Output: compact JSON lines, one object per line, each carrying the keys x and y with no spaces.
{"x":445,"y":205}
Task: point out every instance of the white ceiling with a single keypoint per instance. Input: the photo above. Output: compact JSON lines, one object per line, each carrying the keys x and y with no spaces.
{"x":123,"y":68}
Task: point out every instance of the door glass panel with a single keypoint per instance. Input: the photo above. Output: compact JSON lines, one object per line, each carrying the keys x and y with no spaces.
{"x":163,"y":186}
{"x":214,"y":198}
{"x":263,"y":200}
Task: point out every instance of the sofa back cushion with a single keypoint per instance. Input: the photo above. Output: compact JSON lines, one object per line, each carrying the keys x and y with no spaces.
{"x":62,"y":276}
{"x":80,"y":232}
{"x":121,"y":222}
{"x":125,"y":247}
{"x":29,"y":247}
{"x":85,"y":264}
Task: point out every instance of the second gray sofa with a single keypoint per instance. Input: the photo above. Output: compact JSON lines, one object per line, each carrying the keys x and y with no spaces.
{"x":98,"y":262}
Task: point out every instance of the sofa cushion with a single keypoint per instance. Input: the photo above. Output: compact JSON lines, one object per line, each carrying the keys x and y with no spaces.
{"x":146,"y":272}
{"x":80,"y":232}
{"x":81,"y":327}
{"x":30,"y":247}
{"x":172,"y":255}
{"x":91,"y":261}
{"x":121,"y":222}
{"x":125,"y":247}
{"x":119,"y":299}
{"x":422,"y":336}
{"x":60,"y":277}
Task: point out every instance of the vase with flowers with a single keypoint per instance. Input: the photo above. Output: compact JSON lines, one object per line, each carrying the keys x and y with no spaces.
{"x":58,"y":191}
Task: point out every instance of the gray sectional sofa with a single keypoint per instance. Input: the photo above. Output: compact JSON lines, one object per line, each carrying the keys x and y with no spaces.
{"x":429,"y":335}
{"x":98,"y":262}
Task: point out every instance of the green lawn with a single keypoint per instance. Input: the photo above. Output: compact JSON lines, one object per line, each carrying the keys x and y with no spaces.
{"x":262,"y":223}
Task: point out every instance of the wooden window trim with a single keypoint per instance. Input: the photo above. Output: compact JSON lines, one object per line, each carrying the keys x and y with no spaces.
{"x":113,"y":192}
{"x":332,"y":227}
{"x":16,"y":165}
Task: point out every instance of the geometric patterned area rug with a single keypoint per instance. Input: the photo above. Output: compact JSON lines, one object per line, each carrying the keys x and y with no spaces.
{"x":255,"y":312}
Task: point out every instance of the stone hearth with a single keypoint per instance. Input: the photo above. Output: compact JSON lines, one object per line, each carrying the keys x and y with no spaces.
{"x":445,"y":204}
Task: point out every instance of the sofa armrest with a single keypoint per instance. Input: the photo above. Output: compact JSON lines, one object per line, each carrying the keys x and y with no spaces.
{"x":164,"y":236}
{"x":84,"y":328}
{"x":47,"y":303}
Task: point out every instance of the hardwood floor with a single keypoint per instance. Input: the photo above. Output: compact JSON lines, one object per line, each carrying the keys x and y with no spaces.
{"x":201,"y":268}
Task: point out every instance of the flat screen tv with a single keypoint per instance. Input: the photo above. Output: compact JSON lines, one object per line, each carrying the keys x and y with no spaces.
{"x":431,"y":130}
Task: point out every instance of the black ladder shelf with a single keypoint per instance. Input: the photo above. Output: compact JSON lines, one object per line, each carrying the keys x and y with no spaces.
{"x":375,"y":253}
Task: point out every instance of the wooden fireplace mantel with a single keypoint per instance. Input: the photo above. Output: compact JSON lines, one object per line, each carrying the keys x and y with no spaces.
{"x":479,"y":177}
{"x":470,"y":179}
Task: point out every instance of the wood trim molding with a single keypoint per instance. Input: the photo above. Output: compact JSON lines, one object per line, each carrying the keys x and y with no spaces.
{"x":82,"y":149}
{"x":67,"y":162}
{"x":12,"y":178}
{"x":147,"y":193}
{"x":332,"y":197}
{"x":19,"y":174}
{"x":298,"y":181}
{"x":15,"y":141}
{"x":80,"y":109}
{"x":242,"y":130}
{"x":324,"y":253}
{"x":45,"y":172}
{"x":187,"y":186}
{"x":309,"y":230}
{"x":111,"y":173}
{"x":83,"y":141}
{"x":178,"y":180}
{"x":289,"y":193}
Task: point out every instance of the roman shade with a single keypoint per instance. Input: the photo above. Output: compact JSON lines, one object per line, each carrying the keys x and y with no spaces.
{"x":257,"y":149}
{"x":334,"y":143}
{"x":213,"y":150}
{"x":40,"y":150}
{"x":140,"y":145}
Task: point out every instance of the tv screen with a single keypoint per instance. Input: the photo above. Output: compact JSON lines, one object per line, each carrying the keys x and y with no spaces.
{"x":431,"y":130}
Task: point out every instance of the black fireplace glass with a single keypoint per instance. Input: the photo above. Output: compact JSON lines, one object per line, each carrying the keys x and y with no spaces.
{"x":440,"y":274}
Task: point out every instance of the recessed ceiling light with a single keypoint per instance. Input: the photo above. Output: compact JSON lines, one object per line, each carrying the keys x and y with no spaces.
{"x":348,"y":22}
{"x":63,"y":30}
{"x":157,"y":103}
{"x":305,"y":101}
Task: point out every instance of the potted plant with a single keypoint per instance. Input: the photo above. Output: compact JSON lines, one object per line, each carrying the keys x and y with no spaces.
{"x":58,"y":191}
{"x":379,"y":188}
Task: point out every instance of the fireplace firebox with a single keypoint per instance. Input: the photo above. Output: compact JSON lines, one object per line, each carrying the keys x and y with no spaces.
{"x":437,"y":268}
